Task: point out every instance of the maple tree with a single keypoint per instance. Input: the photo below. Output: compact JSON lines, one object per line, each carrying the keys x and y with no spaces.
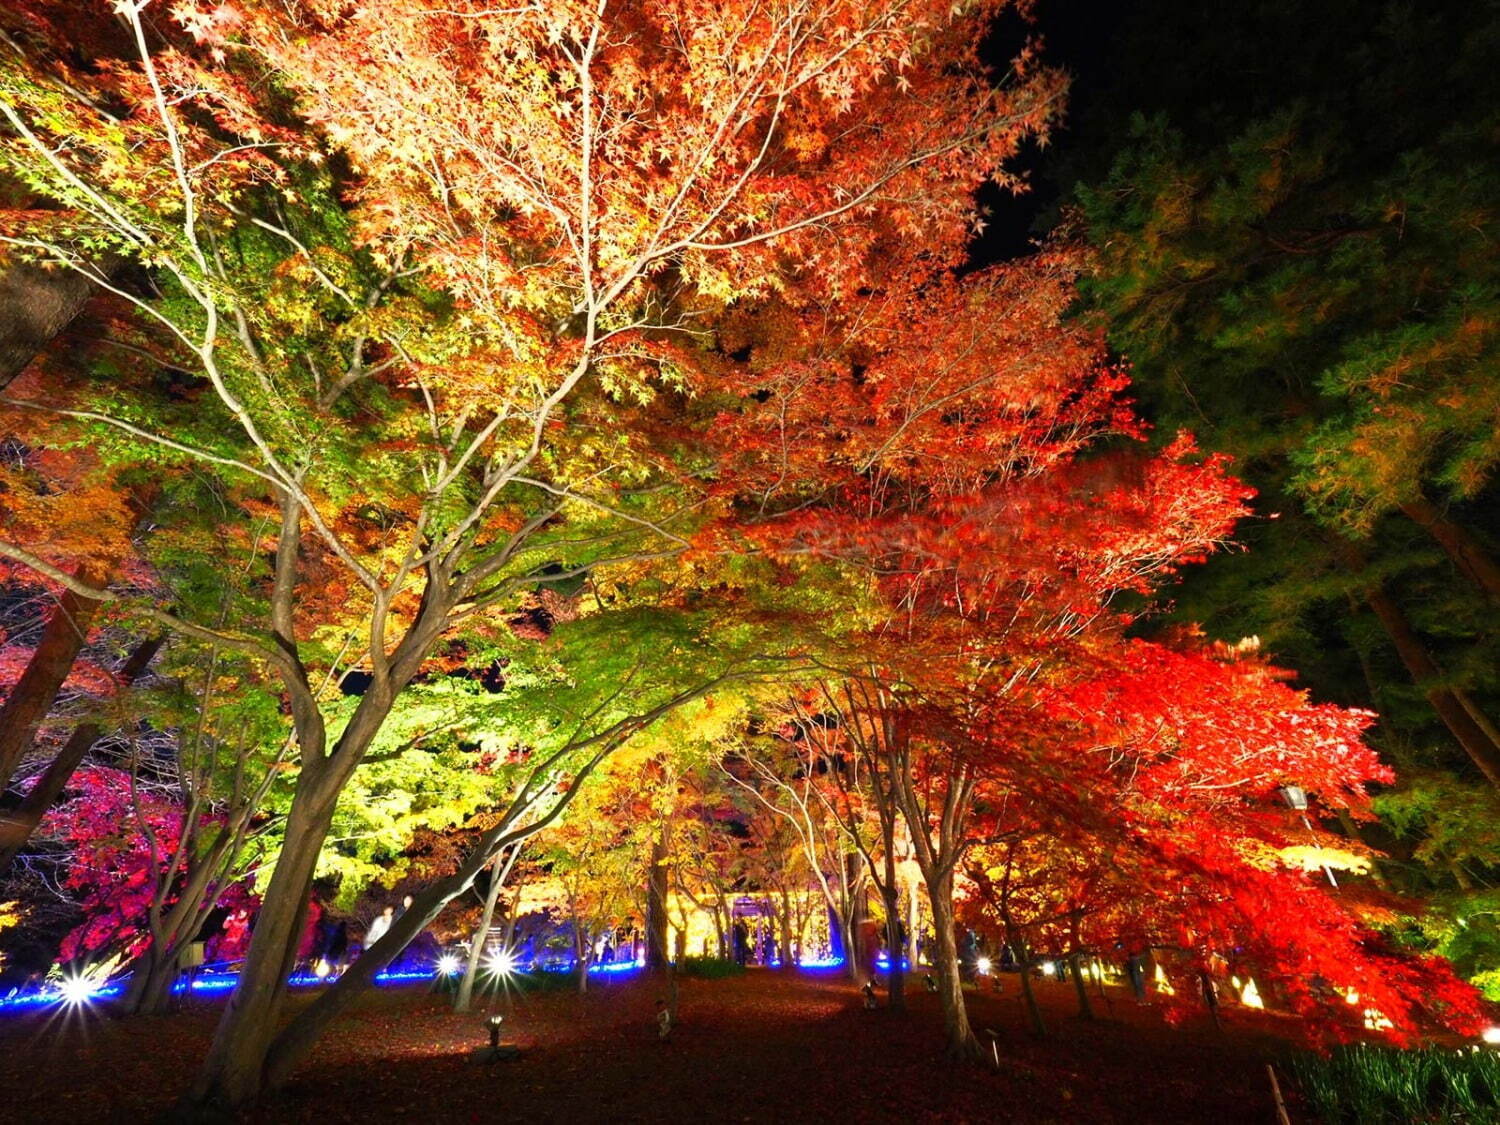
{"x":1185,"y":846}
{"x":579,"y":383}
{"x":970,"y":463}
{"x":578,"y":222}
{"x":128,"y":868}
{"x":948,"y":472}
{"x":784,"y":776}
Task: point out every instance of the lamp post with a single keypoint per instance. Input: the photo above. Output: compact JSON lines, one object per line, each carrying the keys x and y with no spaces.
{"x":1296,"y":799}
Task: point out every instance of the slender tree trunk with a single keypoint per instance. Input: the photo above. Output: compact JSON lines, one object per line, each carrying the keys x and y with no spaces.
{"x":1467,"y":553}
{"x":854,"y":961}
{"x":23,"y":821}
{"x":1075,"y":963}
{"x":62,"y":639}
{"x":511,"y":917}
{"x":1085,"y":1009}
{"x":962,"y":1043}
{"x":1022,"y":951}
{"x":481,"y":934}
{"x":788,"y":960}
{"x":854,"y":913}
{"x":1449,"y":705}
{"x":656,"y":905}
{"x":913,"y":924}
{"x":717,"y":914}
{"x":583,"y":950}
{"x":895,"y":980}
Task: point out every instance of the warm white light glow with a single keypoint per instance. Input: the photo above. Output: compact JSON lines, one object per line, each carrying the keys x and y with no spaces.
{"x":1250,"y":996}
{"x":1491,"y":1035}
{"x":447,"y":965}
{"x":1375,"y":1020}
{"x":1352,"y":997}
{"x":1163,"y":985}
{"x":322,"y":969}
{"x":983,"y":965}
{"x":502,"y":963}
{"x":1048,"y":968}
{"x":76,"y":990}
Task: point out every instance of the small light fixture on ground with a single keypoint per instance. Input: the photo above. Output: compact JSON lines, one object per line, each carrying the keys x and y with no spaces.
{"x":496,"y":1051}
{"x":983,"y":965}
{"x":502,"y":963}
{"x":447,"y":965}
{"x":1491,"y":1035}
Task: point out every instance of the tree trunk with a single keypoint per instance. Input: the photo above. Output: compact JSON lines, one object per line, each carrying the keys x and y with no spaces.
{"x":1028,"y":994}
{"x":465,"y":995}
{"x":788,"y":959}
{"x":718,"y":917}
{"x":1466,"y":552}
{"x":1351,"y":829}
{"x":297,"y":1038}
{"x":583,"y":949}
{"x":17,"y":830}
{"x":656,"y":905}
{"x":291,"y":1046}
{"x":849,"y":941}
{"x":152,"y":976}
{"x":1022,"y":951}
{"x":1085,"y":1009}
{"x":854,"y":915}
{"x":234,"y":1071}
{"x":913,"y":923}
{"x":155,"y":971}
{"x":62,"y":639}
{"x":1449,"y":705}
{"x":35,"y":305}
{"x":962,"y":1043}
{"x":890,"y":893}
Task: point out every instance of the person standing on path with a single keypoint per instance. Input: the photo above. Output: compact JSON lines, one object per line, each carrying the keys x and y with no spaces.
{"x":379,"y":927}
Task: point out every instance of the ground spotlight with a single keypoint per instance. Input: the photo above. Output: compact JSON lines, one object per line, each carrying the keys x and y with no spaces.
{"x":502,"y":963}
{"x":447,"y":965}
{"x":496,"y":1051}
{"x":983,"y":965}
{"x":1491,"y":1035}
{"x":76,"y":990}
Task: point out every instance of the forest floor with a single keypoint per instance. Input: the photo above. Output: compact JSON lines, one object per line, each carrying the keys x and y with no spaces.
{"x":764,"y":1047}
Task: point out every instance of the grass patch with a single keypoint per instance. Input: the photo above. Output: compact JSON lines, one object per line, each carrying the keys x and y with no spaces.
{"x":709,"y":968}
{"x":1377,"y":1085}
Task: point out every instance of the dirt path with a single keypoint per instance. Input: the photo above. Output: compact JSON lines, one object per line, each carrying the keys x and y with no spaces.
{"x":760,"y":1048}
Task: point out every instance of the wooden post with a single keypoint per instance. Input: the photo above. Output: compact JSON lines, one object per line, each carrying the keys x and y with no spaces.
{"x":1281,"y":1117}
